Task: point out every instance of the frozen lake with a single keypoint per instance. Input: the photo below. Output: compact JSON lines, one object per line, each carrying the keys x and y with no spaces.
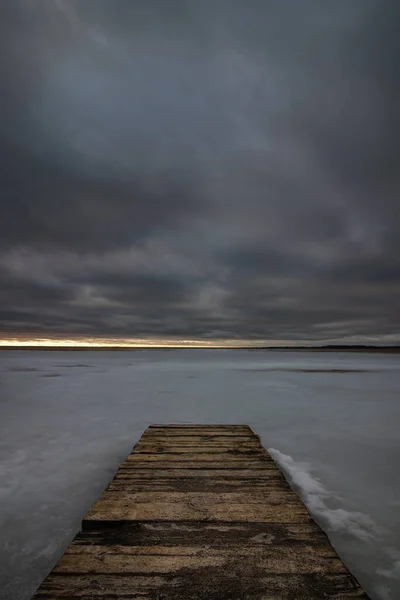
{"x":67,"y":419}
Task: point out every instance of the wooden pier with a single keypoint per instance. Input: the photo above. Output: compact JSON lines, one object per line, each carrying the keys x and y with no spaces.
{"x":199,"y":512}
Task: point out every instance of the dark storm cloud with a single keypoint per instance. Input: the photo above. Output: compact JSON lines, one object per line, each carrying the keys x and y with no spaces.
{"x":200,"y":169}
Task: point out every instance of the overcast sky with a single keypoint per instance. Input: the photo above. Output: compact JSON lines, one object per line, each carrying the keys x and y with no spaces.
{"x":200,"y":169}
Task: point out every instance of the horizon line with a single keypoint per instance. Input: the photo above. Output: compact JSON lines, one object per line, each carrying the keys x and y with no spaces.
{"x":48,"y":345}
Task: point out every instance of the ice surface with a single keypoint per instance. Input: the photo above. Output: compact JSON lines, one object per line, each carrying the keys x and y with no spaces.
{"x":67,"y":419}
{"x":317,"y":499}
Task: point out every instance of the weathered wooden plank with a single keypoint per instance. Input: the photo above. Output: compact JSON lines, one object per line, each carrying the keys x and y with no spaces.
{"x":197,"y":464}
{"x":235,"y":448}
{"x":201,"y":428}
{"x":271,"y":497}
{"x":274,"y":562}
{"x":203,"y":584}
{"x":216,"y":535}
{"x":162,"y":511}
{"x":194,"y":484}
{"x":264,"y":551}
{"x":132,"y":471}
{"x":205,"y":438}
{"x":197,"y":435}
{"x":159,"y":449}
{"x":206,"y":427}
{"x":140,"y":457}
{"x":199,"y":513}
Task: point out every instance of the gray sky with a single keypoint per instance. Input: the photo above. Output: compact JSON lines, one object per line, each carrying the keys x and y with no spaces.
{"x":200,"y":169}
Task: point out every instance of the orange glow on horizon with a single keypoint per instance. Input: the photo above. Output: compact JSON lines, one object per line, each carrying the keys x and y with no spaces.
{"x":130,"y":343}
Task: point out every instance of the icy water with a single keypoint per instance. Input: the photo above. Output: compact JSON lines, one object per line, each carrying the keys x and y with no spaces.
{"x":67,"y":419}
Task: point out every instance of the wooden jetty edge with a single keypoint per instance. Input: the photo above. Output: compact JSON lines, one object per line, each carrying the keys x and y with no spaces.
{"x":199,"y":512}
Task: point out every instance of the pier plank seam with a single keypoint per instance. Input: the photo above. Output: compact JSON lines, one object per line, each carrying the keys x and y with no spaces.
{"x":199,"y":512}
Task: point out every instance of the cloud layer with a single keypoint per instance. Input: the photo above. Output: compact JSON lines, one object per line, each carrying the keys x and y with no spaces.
{"x":200,"y":170}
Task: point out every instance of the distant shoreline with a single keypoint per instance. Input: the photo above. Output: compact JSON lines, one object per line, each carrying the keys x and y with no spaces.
{"x":328,"y":348}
